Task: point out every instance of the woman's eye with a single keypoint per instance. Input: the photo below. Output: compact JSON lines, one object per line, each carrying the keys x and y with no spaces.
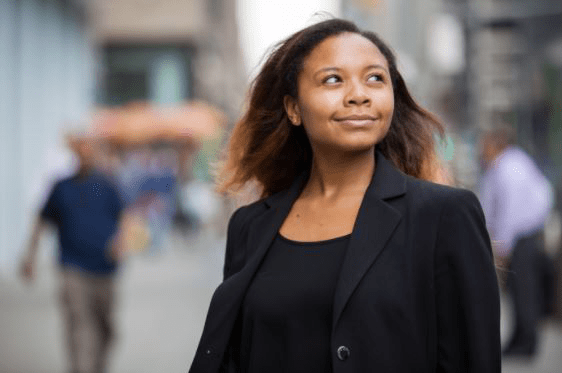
{"x":332,"y":79}
{"x":375,"y":78}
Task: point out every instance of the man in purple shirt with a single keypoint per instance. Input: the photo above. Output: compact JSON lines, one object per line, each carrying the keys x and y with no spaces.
{"x":517,"y":199}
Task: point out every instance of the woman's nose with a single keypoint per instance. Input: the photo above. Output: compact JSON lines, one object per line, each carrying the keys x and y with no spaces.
{"x":357,"y":95}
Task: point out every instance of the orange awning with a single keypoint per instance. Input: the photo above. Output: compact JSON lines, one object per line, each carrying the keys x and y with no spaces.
{"x":142,"y":123}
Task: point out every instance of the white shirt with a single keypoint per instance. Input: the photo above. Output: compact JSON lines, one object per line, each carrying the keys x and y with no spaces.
{"x":516,"y":198}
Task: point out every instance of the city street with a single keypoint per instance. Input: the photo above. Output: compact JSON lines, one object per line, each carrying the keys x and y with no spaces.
{"x":162,"y":305}
{"x":122,"y":118}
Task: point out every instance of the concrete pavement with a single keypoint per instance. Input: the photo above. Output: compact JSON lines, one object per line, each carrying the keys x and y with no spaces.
{"x":162,"y":305}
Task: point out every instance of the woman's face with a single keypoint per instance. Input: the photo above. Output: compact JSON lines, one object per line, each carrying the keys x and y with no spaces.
{"x":345,"y":98}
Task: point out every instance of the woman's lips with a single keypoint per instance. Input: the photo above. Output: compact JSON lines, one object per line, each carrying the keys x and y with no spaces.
{"x":357,"y":120}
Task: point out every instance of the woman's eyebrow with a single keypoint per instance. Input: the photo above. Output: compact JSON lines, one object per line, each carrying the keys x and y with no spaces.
{"x":329,"y":68}
{"x":377,"y":66}
{"x":335,"y":68}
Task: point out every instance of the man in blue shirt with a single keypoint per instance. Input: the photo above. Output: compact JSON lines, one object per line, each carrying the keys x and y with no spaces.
{"x":86,"y":209}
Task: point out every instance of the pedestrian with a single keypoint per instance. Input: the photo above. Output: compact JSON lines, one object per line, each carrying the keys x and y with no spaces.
{"x":517,"y":199}
{"x":351,"y":261}
{"x":86,"y":209}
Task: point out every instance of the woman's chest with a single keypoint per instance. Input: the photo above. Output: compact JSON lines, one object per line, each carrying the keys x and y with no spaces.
{"x":297,"y":278}
{"x":308,"y":221}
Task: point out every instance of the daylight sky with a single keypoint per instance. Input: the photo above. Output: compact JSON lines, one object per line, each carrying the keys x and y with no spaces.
{"x":263,"y":23}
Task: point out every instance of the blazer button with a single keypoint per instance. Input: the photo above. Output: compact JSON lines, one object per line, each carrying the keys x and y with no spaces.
{"x":343,"y":353}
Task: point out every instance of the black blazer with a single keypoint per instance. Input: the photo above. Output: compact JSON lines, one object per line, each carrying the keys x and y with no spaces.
{"x":417,"y":291}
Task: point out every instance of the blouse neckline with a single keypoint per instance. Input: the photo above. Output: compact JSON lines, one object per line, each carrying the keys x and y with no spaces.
{"x":308,"y":243}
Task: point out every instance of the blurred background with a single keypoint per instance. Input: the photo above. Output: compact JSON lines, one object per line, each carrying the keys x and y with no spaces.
{"x":159,"y":84}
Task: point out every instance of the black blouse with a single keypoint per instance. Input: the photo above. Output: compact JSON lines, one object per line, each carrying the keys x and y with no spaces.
{"x":287,"y":310}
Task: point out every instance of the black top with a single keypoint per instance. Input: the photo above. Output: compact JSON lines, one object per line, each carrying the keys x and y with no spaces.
{"x":287,"y":311}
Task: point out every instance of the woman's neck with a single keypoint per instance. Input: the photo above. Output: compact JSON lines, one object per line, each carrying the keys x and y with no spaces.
{"x":336,"y":174}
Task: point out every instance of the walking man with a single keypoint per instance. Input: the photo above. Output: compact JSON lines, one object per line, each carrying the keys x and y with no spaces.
{"x":86,"y":209}
{"x":517,"y":198}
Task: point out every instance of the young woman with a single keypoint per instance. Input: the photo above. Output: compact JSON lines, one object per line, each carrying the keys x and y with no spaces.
{"x":351,"y":261}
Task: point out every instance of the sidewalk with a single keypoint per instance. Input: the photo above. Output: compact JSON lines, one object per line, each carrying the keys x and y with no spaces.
{"x":162,"y":305}
{"x":549,"y":356}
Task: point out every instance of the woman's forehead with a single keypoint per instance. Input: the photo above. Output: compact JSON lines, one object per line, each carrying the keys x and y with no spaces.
{"x":345,"y":49}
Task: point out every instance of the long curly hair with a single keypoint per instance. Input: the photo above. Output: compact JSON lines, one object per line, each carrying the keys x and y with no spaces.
{"x":266,"y":149}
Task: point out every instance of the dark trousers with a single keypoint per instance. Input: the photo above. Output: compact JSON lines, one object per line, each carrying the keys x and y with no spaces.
{"x":526,"y":281}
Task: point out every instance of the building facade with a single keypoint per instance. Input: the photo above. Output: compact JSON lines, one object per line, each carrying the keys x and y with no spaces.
{"x":165,"y":51}
{"x":46,"y":83}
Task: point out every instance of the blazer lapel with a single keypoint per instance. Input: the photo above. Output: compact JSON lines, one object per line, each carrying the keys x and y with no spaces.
{"x":263,"y":231}
{"x":228,"y":298}
{"x":375,"y":223}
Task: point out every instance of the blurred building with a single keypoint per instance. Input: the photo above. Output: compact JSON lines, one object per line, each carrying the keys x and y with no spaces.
{"x":165,"y":51}
{"x":46,"y":82}
{"x":516,"y":72}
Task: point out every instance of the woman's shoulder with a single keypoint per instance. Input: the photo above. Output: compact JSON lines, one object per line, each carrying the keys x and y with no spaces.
{"x":456,"y":211}
{"x":436,"y":194}
{"x":246,"y":213}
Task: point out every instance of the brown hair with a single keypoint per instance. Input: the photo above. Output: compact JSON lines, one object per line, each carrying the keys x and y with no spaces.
{"x":265,"y":148}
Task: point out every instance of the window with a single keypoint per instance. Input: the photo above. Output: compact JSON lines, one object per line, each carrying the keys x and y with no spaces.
{"x":160,"y":74}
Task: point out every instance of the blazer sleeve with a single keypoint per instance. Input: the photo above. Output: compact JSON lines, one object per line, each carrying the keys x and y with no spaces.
{"x":467,"y":294}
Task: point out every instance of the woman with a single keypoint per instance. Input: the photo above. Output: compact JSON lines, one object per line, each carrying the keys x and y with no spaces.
{"x":350,"y":261}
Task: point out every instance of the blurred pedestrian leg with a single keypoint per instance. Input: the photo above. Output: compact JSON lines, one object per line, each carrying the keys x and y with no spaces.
{"x":87,"y":303}
{"x":525,"y":286}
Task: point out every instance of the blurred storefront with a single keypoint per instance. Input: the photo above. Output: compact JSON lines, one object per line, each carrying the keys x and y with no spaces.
{"x":166,"y":51}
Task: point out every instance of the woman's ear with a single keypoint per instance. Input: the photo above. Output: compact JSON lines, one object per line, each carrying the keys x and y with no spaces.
{"x":292,"y":109}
